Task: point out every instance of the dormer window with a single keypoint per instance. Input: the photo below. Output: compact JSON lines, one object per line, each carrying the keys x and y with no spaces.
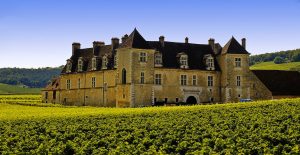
{"x":143,"y":56}
{"x":184,"y":61}
{"x":209,"y":61}
{"x":69,"y":66}
{"x":80,"y":64}
{"x":104,"y":62}
{"x":158,"y":60}
{"x":94,"y":63}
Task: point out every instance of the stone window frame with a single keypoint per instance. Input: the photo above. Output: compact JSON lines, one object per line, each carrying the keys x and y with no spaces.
{"x":93,"y":82}
{"x":80,"y":64}
{"x":183,"y":60}
{"x":158,"y":79}
{"x":143,"y":57}
{"x":94,"y":63}
{"x":238,"y":81}
{"x":238,"y":62}
{"x":79,"y":83}
{"x":142,"y":78}
{"x":69,"y":66}
{"x":183,"y":79}
{"x":68,"y":84}
{"x":104,"y":61}
{"x":210,"y":81}
{"x":194,"y":80}
{"x":158,"y":59}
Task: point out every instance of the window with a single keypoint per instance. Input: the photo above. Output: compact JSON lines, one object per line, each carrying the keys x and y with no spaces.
{"x":194,"y":80}
{"x":238,"y":81}
{"x":124,"y":76}
{"x":46,"y":95}
{"x":94,"y":63}
{"x":183,"y":80}
{"x":210,"y":81}
{"x":115,"y":61}
{"x":177,"y":100}
{"x":69,"y":66}
{"x":68,"y":84}
{"x":158,"y":79}
{"x":80,"y":64}
{"x":238,"y":62}
{"x":166,"y":100}
{"x":93,"y":82}
{"x":104,"y":62}
{"x":158,"y":60}
{"x":143,"y":57}
{"x":142,"y":78}
{"x":209,"y":60}
{"x":54,"y":94}
{"x":184,"y":61}
{"x":78,"y":83}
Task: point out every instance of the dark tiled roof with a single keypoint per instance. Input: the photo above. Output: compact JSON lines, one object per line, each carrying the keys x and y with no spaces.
{"x":169,"y":51}
{"x":135,"y":40}
{"x":195,"y":54}
{"x":234,"y":47}
{"x":53,"y":85}
{"x":280,"y":82}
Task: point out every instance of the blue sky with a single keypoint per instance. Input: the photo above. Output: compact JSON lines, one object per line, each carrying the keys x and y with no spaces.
{"x":39,"y":33}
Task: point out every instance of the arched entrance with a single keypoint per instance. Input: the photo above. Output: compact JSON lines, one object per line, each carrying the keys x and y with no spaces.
{"x":191,"y":100}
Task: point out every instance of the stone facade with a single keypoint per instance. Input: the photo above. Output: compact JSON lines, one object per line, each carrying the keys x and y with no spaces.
{"x":138,"y":73}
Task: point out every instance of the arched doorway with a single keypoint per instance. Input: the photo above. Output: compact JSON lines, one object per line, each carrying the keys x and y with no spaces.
{"x":191,"y":100}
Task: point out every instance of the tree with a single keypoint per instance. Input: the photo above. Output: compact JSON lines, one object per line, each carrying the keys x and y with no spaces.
{"x":296,"y":57}
{"x":278,"y":60}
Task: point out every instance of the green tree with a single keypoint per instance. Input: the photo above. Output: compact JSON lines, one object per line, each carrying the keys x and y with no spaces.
{"x":278,"y":60}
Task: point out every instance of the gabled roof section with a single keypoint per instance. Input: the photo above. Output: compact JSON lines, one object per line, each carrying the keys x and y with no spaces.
{"x":234,"y":47}
{"x":135,"y":40}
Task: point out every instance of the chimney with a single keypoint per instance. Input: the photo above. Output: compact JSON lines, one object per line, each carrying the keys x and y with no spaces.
{"x":124,"y":38}
{"x":244,"y":43}
{"x":186,"y":40}
{"x":211,"y":42}
{"x":97,"y":44}
{"x":162,"y":40}
{"x":115,"y":43}
{"x":75,"y":47}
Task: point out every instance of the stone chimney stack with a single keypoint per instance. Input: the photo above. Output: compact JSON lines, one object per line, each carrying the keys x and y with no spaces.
{"x":75,"y":47}
{"x":96,"y":45}
{"x":211,"y":42}
{"x":186,"y":40}
{"x":244,"y":43}
{"x":124,"y":38}
{"x":162,"y":41}
{"x":115,"y":42}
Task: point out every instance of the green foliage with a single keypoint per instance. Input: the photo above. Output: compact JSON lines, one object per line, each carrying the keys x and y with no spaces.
{"x":278,"y":60}
{"x":288,"y":56}
{"x":34,"y":78}
{"x":11,"y":89}
{"x":265,"y":127}
{"x":272,"y":66}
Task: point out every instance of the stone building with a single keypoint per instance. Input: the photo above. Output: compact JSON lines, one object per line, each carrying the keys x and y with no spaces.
{"x":137,"y":73}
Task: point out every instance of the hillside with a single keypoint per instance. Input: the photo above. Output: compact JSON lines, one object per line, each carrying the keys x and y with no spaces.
{"x":272,"y":66}
{"x":287,"y":56}
{"x":33,"y":78}
{"x":17,"y":89}
{"x":264,"y":127}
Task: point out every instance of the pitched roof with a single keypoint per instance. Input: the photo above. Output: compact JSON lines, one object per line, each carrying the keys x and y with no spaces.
{"x":135,"y":40}
{"x":53,"y":85}
{"x":234,"y":47}
{"x":195,"y":52}
{"x":280,"y":82}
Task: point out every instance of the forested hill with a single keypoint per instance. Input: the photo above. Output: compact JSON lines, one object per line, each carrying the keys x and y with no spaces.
{"x":281,"y":57}
{"x":34,"y":78}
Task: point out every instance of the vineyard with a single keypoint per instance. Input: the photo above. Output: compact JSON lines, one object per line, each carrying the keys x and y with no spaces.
{"x":265,"y":127}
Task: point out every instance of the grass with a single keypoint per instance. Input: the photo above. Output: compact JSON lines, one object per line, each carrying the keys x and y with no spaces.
{"x":11,"y":89}
{"x":271,"y":66}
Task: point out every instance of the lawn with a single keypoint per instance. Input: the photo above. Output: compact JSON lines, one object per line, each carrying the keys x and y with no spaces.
{"x":11,"y":89}
{"x":271,"y":66}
